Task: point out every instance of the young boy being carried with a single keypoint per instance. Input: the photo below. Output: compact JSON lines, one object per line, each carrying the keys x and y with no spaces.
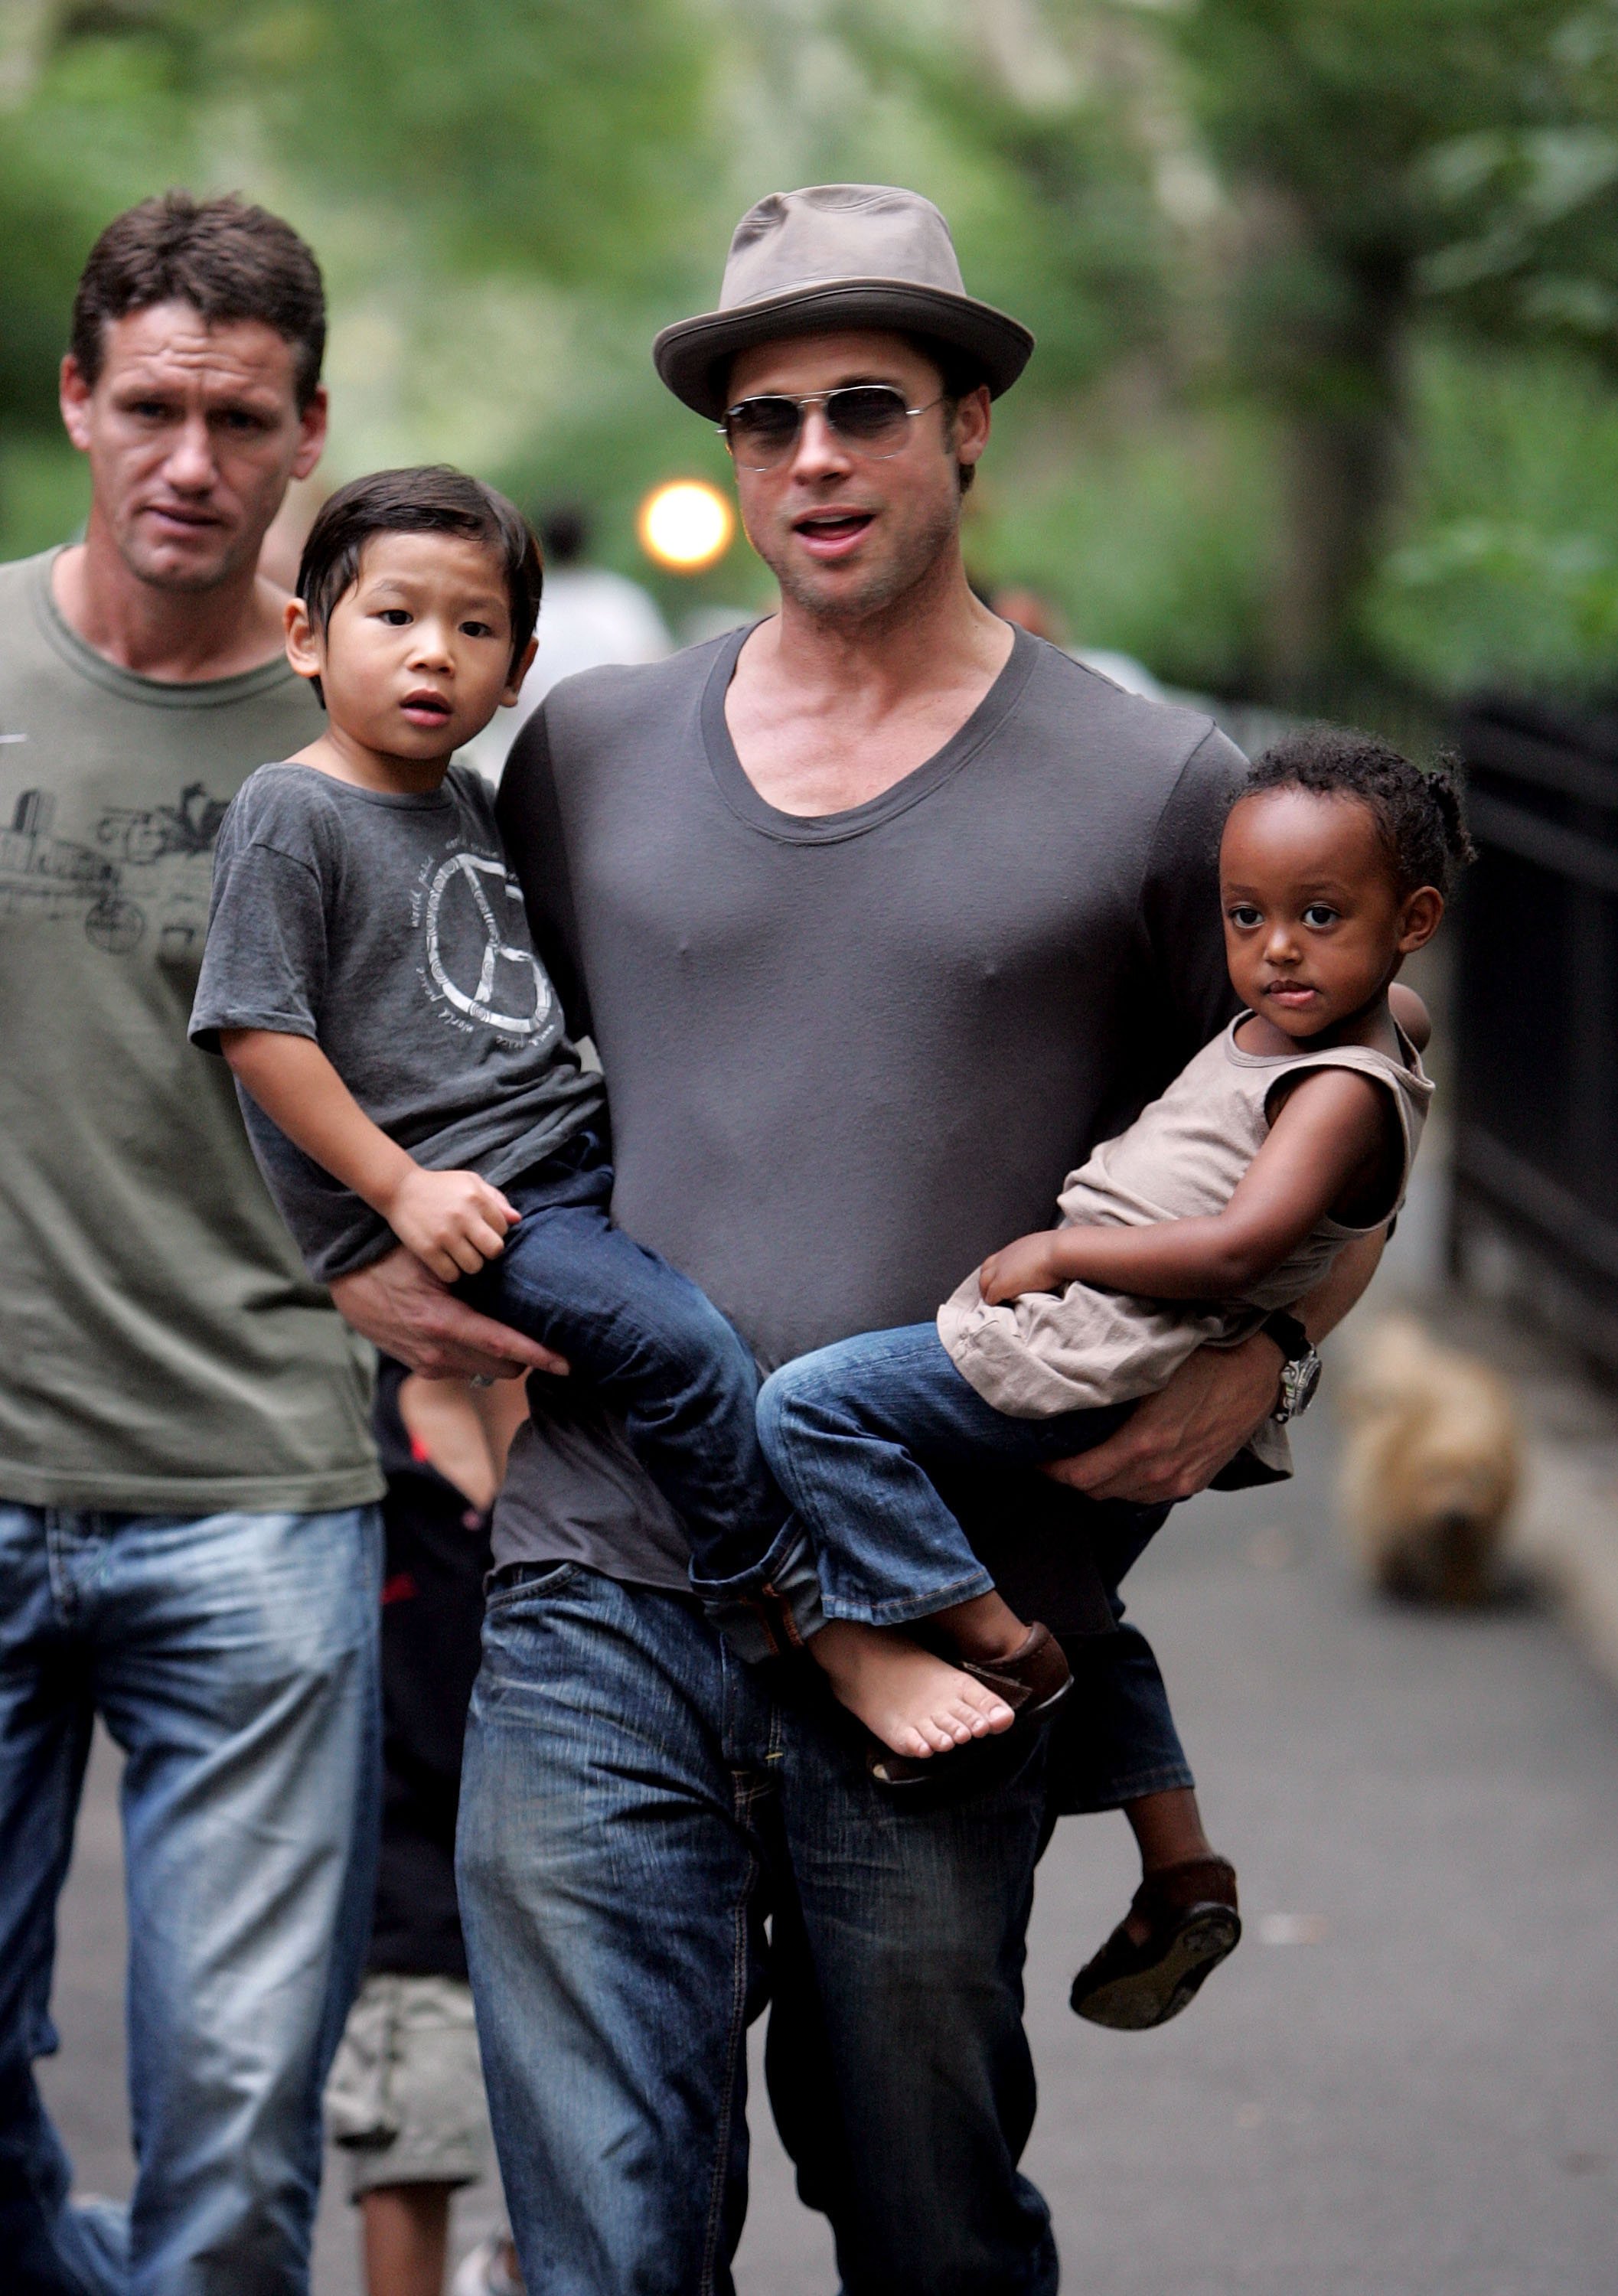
{"x":370,"y":978}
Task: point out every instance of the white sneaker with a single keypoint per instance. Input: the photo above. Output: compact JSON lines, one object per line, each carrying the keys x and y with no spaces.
{"x":489,"y":2270}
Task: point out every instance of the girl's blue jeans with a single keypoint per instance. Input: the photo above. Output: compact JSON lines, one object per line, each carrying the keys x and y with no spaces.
{"x":850,"y":1433}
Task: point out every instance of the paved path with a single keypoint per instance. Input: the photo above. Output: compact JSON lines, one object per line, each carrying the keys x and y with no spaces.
{"x":1411,"y":2091}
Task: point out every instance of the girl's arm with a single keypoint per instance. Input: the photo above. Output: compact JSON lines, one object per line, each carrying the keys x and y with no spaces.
{"x":452,"y":1221}
{"x":1326,"y":1136}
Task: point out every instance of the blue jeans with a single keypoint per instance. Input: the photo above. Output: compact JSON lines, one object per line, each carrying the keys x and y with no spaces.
{"x":654,"y":1346}
{"x":233,"y":1659}
{"x":847,"y":1430}
{"x":636,"y":1806}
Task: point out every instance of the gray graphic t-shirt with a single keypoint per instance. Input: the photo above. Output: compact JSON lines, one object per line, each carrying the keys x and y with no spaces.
{"x":165,"y":1352}
{"x":387,"y":929}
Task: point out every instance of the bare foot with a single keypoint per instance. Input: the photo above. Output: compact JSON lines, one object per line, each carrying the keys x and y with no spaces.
{"x":914,"y":1702}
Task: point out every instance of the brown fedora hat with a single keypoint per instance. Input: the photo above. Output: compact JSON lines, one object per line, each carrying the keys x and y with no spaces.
{"x":835,"y":256}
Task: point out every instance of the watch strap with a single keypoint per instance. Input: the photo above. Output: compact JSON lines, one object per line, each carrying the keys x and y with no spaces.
{"x":1288,"y":1334}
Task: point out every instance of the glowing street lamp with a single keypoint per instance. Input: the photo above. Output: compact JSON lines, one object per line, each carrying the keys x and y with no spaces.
{"x":685,"y":526}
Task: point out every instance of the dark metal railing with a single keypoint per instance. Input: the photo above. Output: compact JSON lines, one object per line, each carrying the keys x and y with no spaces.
{"x":1536,"y":1144}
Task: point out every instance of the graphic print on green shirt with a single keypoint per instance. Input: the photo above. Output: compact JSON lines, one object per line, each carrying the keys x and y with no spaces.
{"x":165,"y":1350}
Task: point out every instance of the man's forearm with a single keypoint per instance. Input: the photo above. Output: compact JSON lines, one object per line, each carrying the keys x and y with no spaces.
{"x":403,"y":1309}
{"x":1175,"y":1440}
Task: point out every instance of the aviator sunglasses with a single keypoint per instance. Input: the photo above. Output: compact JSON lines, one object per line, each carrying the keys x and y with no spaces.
{"x":870,"y":419}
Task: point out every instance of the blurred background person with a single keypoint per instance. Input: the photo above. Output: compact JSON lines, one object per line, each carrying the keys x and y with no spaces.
{"x":588,"y":616}
{"x":405,"y":2099}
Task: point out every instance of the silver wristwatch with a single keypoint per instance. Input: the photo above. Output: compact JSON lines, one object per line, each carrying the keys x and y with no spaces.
{"x":1300,"y":1371}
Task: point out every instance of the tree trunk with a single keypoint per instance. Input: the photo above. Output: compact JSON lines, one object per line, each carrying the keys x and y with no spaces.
{"x":1341,"y":402}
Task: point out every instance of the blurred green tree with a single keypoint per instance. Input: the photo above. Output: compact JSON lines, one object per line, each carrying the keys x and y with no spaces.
{"x":1393,"y":158}
{"x":484,"y":135}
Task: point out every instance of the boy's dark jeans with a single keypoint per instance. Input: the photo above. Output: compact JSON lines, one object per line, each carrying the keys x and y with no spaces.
{"x":654,"y":1346}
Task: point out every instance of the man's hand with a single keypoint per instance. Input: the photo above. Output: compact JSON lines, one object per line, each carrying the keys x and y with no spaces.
{"x":1174,"y":1442}
{"x":1028,"y":1265}
{"x":411,"y":1316}
{"x":453,"y":1221}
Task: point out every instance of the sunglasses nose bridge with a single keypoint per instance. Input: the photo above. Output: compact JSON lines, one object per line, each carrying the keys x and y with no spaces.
{"x":818,"y":433}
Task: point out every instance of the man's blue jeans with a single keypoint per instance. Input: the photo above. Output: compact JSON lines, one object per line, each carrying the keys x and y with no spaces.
{"x":233,"y":1659}
{"x":636,"y":1805}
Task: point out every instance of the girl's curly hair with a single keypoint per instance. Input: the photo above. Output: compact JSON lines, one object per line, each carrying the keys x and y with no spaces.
{"x":1418,"y":814}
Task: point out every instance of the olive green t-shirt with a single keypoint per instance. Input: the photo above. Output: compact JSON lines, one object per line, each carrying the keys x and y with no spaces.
{"x":162,"y":1350}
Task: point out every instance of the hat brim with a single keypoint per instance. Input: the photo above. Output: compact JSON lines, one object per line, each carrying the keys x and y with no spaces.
{"x":693,"y":357}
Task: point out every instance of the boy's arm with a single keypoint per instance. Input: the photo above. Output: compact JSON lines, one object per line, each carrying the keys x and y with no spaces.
{"x":1325,"y":1135}
{"x":452,"y":1221}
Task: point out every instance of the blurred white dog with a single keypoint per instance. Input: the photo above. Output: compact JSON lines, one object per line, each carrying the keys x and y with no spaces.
{"x":1431,"y":1465}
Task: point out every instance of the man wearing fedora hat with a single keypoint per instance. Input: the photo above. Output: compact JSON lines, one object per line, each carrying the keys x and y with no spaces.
{"x":881,"y":912}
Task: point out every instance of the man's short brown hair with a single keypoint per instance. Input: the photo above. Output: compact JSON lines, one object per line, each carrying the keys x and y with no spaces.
{"x":228,"y":260}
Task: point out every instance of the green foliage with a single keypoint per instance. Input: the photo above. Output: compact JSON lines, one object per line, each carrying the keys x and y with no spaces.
{"x":1152,"y":536}
{"x":1387,"y":227}
{"x":1063,"y":229}
{"x":1506,"y":572}
{"x":544,"y":133}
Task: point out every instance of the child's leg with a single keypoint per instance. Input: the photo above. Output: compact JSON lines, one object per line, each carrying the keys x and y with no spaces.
{"x":846,"y":1431}
{"x":406,"y":2239}
{"x":1182,"y":1921}
{"x":659,"y":1351}
{"x":850,"y":1432}
{"x":1167,"y":1828}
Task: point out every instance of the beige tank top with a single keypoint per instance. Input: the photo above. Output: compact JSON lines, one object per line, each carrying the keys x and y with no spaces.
{"x":1182,"y":1158}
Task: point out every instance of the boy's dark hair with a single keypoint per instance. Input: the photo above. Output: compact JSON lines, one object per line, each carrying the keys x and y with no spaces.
{"x":1419,"y":815}
{"x":229,"y":261}
{"x":430,"y":499}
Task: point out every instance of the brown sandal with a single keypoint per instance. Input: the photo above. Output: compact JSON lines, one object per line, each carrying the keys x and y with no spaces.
{"x":1035,"y":1677}
{"x":1192,"y":1908}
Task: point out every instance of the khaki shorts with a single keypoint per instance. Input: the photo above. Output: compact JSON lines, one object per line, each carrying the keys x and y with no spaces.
{"x":406,"y":2096}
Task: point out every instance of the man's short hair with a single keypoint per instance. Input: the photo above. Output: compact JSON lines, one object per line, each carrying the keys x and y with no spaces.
{"x":959,"y":375}
{"x":428,"y":499}
{"x":228,"y":260}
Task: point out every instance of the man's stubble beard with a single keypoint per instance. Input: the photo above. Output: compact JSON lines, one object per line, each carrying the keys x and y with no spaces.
{"x":884,"y":594}
{"x":195,"y":581}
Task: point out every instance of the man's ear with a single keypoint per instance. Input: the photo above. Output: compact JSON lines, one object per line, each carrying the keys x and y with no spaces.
{"x":971,"y":421}
{"x":73,"y":397}
{"x":513,"y":683}
{"x":1419,"y":919}
{"x":311,"y":435}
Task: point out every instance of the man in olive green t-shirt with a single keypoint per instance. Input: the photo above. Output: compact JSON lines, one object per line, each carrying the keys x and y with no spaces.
{"x":188,"y":1543}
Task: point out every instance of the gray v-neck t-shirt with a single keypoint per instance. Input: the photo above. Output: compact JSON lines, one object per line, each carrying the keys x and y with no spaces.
{"x":849,"y":1056}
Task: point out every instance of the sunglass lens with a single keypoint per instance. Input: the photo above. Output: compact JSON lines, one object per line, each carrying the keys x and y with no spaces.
{"x":761,"y":430}
{"x":868,"y":414}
